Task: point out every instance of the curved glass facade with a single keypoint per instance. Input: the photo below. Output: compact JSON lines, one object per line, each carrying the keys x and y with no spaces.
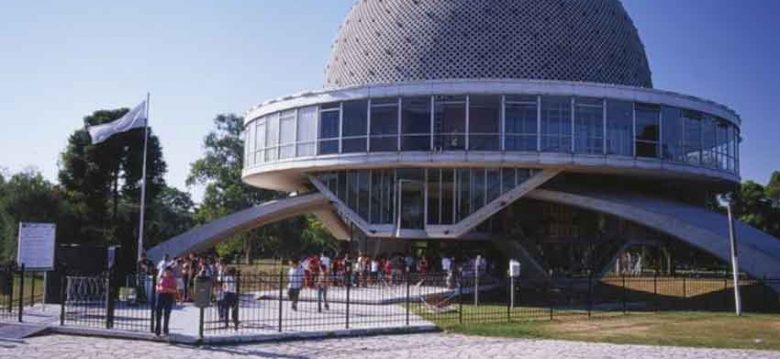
{"x":510,"y":123}
{"x":433,"y":196}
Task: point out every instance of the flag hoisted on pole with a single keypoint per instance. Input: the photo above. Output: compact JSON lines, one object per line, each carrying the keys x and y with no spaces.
{"x":136,"y":118}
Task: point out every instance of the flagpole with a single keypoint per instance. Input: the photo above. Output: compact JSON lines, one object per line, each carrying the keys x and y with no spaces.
{"x":143,"y":185}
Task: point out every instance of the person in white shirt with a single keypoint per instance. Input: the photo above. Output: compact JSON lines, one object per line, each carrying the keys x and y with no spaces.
{"x":325,"y":261}
{"x":229,"y":297}
{"x":164,"y":263}
{"x":294,"y":282}
{"x":374,"y":270}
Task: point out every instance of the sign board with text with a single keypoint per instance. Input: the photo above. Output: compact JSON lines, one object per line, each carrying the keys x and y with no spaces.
{"x":36,"y":245}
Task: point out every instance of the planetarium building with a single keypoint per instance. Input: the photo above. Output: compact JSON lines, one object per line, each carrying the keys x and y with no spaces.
{"x":522,"y":128}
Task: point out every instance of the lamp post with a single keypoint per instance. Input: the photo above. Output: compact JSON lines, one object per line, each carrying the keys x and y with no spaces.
{"x":734,"y":255}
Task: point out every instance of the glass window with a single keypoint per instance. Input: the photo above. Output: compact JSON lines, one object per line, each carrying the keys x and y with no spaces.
{"x":329,"y":128}
{"x":355,"y":126}
{"x":249,"y":144}
{"x":556,"y":124}
{"x":589,"y":126}
{"x":484,"y":118}
{"x":477,"y":190}
{"x":671,"y":138}
{"x":447,"y":198}
{"x":722,"y":153}
{"x":692,"y":136}
{"x":384,"y":125}
{"x":272,"y":138}
{"x":708,"y":141}
{"x":416,"y":124}
{"x":412,"y":198}
{"x":464,"y":190}
{"x":647,"y":130}
{"x":520,"y":115}
{"x":363,"y":193}
{"x":434,"y":196}
{"x":620,"y":128}
{"x":450,"y":123}
{"x":287,"y":134}
{"x":493,"y":189}
{"x":260,"y":140}
{"x":307,"y":131}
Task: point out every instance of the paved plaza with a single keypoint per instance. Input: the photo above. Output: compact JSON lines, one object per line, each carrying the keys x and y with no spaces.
{"x":437,"y":345}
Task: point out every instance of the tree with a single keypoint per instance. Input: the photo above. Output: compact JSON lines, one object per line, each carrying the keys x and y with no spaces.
{"x":102,"y":183}
{"x":773,"y":188}
{"x":220,"y":171}
{"x":752,"y":206}
{"x":28,"y":197}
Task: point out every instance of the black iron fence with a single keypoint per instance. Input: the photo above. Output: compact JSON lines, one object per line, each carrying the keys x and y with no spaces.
{"x":270,"y":303}
{"x":19,"y":289}
{"x":104,"y":301}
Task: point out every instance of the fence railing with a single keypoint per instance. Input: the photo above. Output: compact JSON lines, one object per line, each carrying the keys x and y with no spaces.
{"x":269,"y":303}
{"x":19,"y":289}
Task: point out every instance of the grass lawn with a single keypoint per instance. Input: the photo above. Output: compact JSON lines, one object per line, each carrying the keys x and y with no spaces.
{"x":32,"y":293}
{"x":691,"y":329}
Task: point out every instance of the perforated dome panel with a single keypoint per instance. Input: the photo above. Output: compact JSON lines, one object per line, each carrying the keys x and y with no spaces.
{"x":389,"y":41}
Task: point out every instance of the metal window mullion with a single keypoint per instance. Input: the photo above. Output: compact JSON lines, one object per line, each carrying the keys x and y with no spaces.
{"x":425,"y":200}
{"x":538,"y":123}
{"x":468,"y":115}
{"x":400,"y":118}
{"x":433,"y":121}
{"x":502,"y":123}
{"x":571,"y":119}
{"x":659,"y":152}
{"x":341,"y":126}
{"x":295,"y":136}
{"x":368,"y":127}
{"x":633,"y":121}
{"x":604,"y":125}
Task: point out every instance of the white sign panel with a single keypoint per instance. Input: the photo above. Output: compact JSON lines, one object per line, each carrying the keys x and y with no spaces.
{"x":36,"y":245}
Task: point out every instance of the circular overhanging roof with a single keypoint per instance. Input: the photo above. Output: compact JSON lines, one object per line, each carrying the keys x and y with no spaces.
{"x":390,"y":41}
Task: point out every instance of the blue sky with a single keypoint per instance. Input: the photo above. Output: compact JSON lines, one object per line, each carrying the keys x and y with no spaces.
{"x":59,"y":61}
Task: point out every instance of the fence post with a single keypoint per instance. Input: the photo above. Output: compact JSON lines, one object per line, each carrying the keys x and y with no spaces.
{"x":407,"y":298}
{"x":348,"y":284}
{"x":460,"y":298}
{"x":63,"y":284}
{"x":109,"y":299}
{"x":281,"y":297}
{"x":238,"y":300}
{"x":32,"y":290}
{"x":10,"y":271}
{"x":623,"y":295}
{"x":200,"y":322}
{"x":509,"y":299}
{"x":655,"y":290}
{"x":549,"y":299}
{"x":151,"y":298}
{"x":590,"y":293}
{"x":21,"y":293}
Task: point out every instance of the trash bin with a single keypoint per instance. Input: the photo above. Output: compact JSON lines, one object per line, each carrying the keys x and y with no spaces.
{"x":202,"y":292}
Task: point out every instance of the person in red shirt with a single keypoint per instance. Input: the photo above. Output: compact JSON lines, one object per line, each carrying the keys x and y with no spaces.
{"x":166,"y":295}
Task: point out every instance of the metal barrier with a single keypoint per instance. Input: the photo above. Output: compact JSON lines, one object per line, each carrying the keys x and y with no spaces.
{"x":263,"y":303}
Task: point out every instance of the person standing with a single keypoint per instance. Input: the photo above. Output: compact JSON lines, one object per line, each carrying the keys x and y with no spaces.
{"x":323,"y":280}
{"x":229,"y":297}
{"x":294,"y":282}
{"x":166,"y":295}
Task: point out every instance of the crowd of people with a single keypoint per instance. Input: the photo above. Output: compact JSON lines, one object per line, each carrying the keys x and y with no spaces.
{"x":174,"y":279}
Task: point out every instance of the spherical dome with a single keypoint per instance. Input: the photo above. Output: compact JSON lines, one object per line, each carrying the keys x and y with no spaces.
{"x":390,"y":41}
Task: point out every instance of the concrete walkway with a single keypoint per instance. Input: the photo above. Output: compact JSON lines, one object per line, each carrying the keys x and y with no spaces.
{"x":437,"y":345}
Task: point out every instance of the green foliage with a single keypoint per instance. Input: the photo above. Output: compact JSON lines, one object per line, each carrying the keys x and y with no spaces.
{"x":753,"y":205}
{"x":28,"y":197}
{"x":773,"y":188}
{"x":220,"y":171}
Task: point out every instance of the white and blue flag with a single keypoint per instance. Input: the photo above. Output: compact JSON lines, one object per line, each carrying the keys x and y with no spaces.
{"x":136,"y":118}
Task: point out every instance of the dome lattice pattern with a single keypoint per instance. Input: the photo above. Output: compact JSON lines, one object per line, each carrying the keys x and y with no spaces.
{"x":388,"y":41}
